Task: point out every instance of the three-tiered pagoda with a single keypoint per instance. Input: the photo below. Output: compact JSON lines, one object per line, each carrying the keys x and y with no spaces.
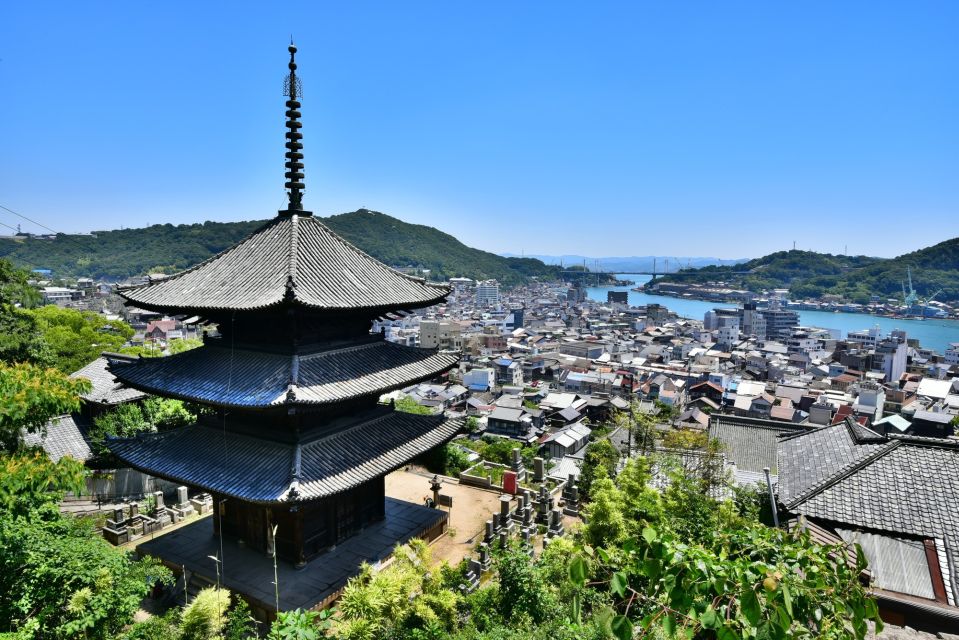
{"x":296,"y":438}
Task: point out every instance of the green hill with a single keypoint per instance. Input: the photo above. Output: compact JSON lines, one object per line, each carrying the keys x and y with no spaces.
{"x":809,"y":275}
{"x":117,"y":255}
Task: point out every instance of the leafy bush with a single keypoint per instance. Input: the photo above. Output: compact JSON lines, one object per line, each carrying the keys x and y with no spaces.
{"x":64,"y":580}
{"x":205,"y":616}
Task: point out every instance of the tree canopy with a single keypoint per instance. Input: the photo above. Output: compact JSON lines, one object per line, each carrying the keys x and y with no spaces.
{"x":168,"y":248}
{"x":30,"y":396}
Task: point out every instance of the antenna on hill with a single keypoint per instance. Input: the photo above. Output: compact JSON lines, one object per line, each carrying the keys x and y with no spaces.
{"x":794,"y":245}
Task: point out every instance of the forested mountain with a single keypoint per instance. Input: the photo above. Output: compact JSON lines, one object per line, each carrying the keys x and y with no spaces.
{"x":166,"y":248}
{"x":808,"y":275}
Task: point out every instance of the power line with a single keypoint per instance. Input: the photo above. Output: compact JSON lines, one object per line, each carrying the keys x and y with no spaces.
{"x":42,"y":226}
{"x":63,"y":236}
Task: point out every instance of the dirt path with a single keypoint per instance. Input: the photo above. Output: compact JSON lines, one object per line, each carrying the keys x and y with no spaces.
{"x":472,"y":507}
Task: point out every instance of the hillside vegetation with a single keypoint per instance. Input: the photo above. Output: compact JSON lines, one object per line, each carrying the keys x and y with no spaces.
{"x":166,"y":248}
{"x":809,"y":275}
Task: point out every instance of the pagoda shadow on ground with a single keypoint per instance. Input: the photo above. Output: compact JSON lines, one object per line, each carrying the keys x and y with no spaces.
{"x":250,"y":572}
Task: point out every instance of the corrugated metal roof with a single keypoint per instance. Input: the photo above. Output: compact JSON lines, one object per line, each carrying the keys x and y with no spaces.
{"x":296,"y":259}
{"x":216,"y":374}
{"x":267,"y":472}
{"x":896,"y":564}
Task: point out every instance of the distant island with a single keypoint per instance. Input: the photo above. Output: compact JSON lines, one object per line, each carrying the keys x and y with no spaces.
{"x":622,"y":264}
{"x":934,"y":273}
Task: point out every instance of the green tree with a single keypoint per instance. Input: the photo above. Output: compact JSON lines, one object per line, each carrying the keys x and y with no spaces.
{"x":15,"y":287}
{"x":297,"y":625}
{"x":407,"y":404}
{"x":76,"y":338}
{"x":522,"y":594}
{"x":599,"y":462}
{"x":20,"y":337}
{"x":30,"y":481}
{"x":129,"y":419}
{"x":240,"y":623}
{"x":165,"y":627}
{"x":30,"y":396}
{"x":59,"y":579}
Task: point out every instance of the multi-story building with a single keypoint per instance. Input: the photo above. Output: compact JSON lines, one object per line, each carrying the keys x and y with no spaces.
{"x":890,"y":358}
{"x":871,"y":401}
{"x":479,"y":379}
{"x":751,"y":321}
{"x":719,"y":318}
{"x":576,"y":294}
{"x":867,"y":337}
{"x":60,"y":295}
{"x":440,"y":334}
{"x":656,"y":314}
{"x":487,"y":293}
{"x":780,"y":323}
{"x":952,"y":353}
{"x":617,"y":297}
{"x":728,"y":335}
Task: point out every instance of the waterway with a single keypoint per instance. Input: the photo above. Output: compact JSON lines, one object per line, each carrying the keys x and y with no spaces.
{"x":931,"y":333}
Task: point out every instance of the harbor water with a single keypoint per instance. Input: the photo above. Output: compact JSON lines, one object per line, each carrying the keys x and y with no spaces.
{"x":932,"y":333}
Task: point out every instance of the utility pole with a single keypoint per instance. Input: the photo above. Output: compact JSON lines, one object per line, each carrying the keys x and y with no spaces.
{"x":629,"y":426}
{"x":772,"y":498}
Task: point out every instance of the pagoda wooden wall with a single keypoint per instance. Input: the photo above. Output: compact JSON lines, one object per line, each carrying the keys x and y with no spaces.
{"x":306,"y":530}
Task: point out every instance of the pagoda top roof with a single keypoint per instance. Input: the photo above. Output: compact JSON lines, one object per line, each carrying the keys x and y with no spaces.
{"x":292,"y":259}
{"x":267,"y":472}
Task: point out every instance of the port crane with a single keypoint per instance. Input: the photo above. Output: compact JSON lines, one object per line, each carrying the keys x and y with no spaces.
{"x":912,"y":297}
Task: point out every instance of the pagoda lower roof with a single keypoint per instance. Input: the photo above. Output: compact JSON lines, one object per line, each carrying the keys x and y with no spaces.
{"x":219,"y":375}
{"x":268,"y":472}
{"x":293,"y":259}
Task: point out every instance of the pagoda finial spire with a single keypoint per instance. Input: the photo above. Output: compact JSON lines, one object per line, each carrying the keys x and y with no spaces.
{"x":294,"y":146}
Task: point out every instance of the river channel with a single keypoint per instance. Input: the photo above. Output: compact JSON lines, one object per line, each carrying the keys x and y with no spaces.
{"x":931,"y":333}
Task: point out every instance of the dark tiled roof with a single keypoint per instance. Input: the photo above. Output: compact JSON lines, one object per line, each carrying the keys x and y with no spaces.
{"x":750,"y":443}
{"x":810,"y":458}
{"x":64,"y":437}
{"x":898,"y":485}
{"x":296,"y":259}
{"x":106,"y":389}
{"x":267,"y":472}
{"x":904,"y":486}
{"x":218,"y":375}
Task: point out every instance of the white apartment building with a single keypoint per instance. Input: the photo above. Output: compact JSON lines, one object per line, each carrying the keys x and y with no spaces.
{"x":867,"y":337}
{"x":952,"y":353}
{"x":487,"y":293}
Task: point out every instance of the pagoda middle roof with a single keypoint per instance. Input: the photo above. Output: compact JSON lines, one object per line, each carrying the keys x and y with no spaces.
{"x":220,"y":375}
{"x":268,"y":472}
{"x":294,"y":259}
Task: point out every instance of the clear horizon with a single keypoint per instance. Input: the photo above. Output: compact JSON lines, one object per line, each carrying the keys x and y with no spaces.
{"x":608,"y":130}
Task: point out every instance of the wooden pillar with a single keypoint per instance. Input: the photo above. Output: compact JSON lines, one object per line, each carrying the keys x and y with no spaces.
{"x":299,"y":554}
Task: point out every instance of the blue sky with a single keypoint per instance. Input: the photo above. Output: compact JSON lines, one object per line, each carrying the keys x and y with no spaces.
{"x":689,"y":128}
